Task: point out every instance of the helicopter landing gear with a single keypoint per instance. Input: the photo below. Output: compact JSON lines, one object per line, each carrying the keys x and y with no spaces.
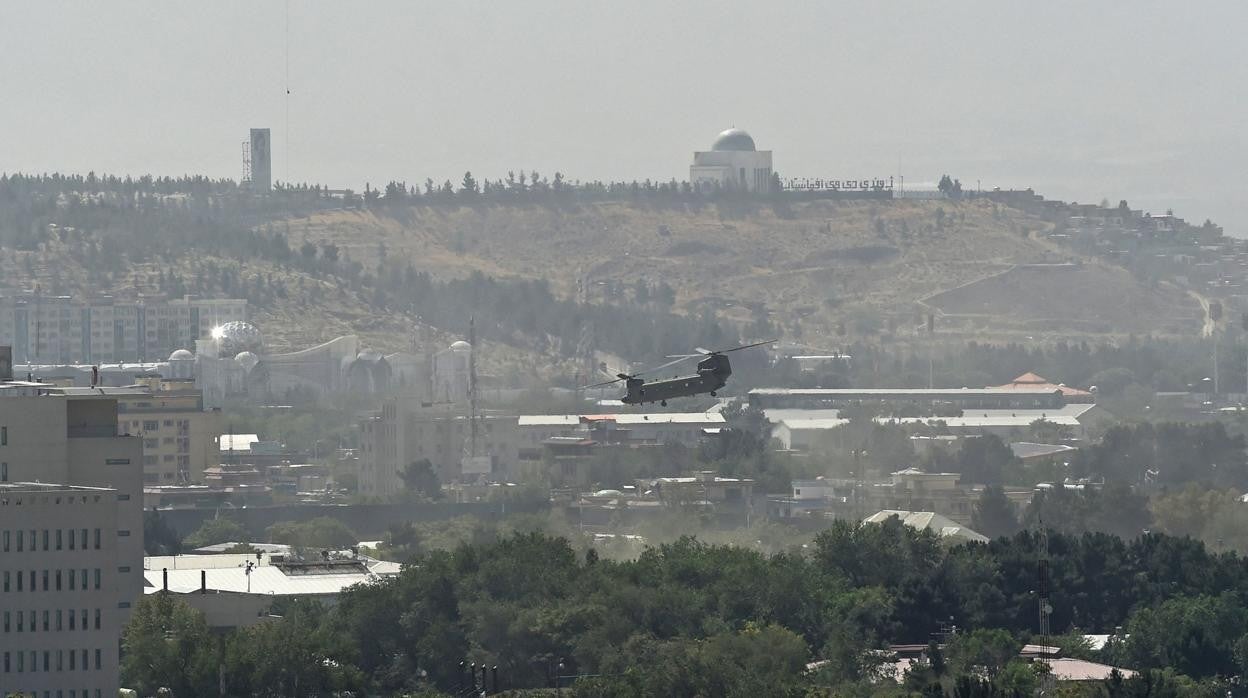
{"x":712,"y":393}
{"x":663,"y":403}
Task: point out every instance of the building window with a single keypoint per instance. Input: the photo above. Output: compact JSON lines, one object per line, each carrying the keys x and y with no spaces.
{"x":97,"y":537}
{"x":4,"y":436}
{"x":97,"y":579}
{"x":97,"y":618}
{"x":20,"y":539}
{"x":58,"y":539}
{"x":4,"y":472}
{"x":123,"y":534}
{"x":6,"y":541}
{"x":71,"y":539}
{"x":58,"y":580}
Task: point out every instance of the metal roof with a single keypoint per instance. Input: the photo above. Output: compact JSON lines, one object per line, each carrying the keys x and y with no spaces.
{"x":550,"y":420}
{"x":892,"y":392}
{"x":936,"y":523}
{"x":266,"y":580}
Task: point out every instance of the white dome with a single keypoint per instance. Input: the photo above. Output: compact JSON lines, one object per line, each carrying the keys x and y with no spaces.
{"x":181,"y":355}
{"x":734,"y":139}
{"x":235,"y":337}
{"x":370,"y":355}
{"x":247,"y":360}
{"x":461,"y":344}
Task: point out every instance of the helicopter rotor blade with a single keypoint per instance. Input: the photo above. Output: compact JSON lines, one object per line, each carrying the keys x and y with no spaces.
{"x":603,"y":384}
{"x":662,"y":366}
{"x":743,"y":346}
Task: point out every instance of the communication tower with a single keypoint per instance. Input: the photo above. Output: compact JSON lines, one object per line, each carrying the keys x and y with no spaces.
{"x":246,"y":180}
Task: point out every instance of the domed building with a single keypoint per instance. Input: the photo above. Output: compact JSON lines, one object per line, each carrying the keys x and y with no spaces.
{"x":733,"y":162}
{"x":235,"y":337}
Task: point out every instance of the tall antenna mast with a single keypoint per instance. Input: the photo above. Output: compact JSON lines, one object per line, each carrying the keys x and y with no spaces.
{"x":1042,"y":583}
{"x":472,"y":385}
{"x":286,"y":135}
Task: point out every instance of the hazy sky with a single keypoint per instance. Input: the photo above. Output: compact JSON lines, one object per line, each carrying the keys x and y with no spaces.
{"x":1139,"y":100}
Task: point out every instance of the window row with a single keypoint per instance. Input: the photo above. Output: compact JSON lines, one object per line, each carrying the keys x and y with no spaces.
{"x":53,"y":660}
{"x":54,"y":539}
{"x":71,"y":693}
{"x":53,"y":580}
{"x":53,"y":621}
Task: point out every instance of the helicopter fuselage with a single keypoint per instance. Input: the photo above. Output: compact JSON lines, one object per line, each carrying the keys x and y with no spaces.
{"x":712,"y":374}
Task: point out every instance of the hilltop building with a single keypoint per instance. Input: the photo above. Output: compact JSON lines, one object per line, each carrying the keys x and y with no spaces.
{"x":260,"y":160}
{"x":63,"y":330}
{"x":732,"y":163}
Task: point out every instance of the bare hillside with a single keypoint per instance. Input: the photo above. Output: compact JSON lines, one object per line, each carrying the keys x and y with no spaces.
{"x":830,"y":269}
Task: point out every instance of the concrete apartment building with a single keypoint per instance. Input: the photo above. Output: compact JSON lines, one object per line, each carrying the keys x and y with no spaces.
{"x":407,"y":430}
{"x":180,"y":437}
{"x":67,"y":330}
{"x":71,"y":440}
{"x":60,"y":617}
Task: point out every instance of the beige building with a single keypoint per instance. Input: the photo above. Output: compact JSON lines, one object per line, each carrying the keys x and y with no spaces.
{"x":180,"y":437}
{"x":407,"y":430}
{"x":71,"y":440}
{"x":61,"y":613}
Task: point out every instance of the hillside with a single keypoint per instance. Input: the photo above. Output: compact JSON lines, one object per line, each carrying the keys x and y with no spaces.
{"x":825,"y":270}
{"x":548,"y":279}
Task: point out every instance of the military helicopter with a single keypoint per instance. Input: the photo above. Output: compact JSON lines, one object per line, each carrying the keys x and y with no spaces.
{"x":711,"y":375}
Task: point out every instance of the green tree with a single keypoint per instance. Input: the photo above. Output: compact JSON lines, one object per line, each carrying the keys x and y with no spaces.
{"x":994,"y":513}
{"x":168,"y":644}
{"x":420,"y":478}
{"x":295,"y":655}
{"x":322,"y":532}
{"x":215,"y":531}
{"x":986,"y":460}
{"x":158,"y":537}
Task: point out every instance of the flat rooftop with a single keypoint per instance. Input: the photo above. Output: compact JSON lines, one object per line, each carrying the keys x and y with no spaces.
{"x":47,"y":487}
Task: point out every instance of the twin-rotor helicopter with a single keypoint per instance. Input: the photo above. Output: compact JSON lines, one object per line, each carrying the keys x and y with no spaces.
{"x":711,"y":375}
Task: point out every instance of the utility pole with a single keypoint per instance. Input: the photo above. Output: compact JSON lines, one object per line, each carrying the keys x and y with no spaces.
{"x":1215,"y":362}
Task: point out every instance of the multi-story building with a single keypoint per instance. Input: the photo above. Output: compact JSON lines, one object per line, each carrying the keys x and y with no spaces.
{"x":66,"y":330}
{"x":180,"y":437}
{"x":71,"y":440}
{"x":407,"y":430}
{"x":60,"y":590}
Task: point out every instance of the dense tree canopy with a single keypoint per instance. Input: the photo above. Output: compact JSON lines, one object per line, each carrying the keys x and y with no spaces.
{"x":716,"y":620}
